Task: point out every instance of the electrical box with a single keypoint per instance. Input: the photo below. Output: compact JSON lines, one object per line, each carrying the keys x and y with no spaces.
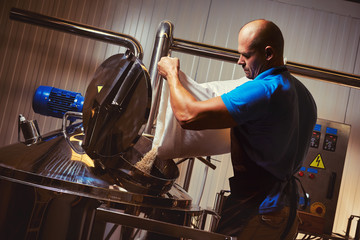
{"x":321,"y":175}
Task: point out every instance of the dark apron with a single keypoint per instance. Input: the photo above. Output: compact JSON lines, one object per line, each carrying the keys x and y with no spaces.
{"x":249,"y":187}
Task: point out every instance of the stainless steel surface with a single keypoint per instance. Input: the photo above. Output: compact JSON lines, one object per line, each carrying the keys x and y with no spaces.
{"x":99,"y":189}
{"x":116,"y":106}
{"x":162,"y":44}
{"x":204,"y":50}
{"x":48,"y":188}
{"x":80,"y":29}
{"x":327,"y":75}
{"x":55,"y":163}
{"x":156,"y":226}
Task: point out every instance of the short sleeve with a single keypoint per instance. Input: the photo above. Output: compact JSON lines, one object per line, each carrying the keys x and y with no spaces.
{"x":247,"y":102}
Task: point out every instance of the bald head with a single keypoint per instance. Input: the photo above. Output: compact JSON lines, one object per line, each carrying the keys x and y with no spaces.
{"x":261,"y":33}
{"x":261,"y":47}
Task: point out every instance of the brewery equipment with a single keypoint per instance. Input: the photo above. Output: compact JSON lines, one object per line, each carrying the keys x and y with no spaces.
{"x":71,"y":182}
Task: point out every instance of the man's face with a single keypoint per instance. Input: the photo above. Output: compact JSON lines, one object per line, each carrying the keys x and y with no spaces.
{"x":252,"y":60}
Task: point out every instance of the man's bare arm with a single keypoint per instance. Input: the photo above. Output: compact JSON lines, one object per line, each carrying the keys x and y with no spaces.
{"x":190,"y":113}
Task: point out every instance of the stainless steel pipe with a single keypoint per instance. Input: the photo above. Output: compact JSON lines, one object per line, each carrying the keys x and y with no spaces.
{"x":327,"y":75}
{"x":230,"y":55}
{"x":205,"y":50}
{"x":79,"y":29}
{"x":163,"y":41}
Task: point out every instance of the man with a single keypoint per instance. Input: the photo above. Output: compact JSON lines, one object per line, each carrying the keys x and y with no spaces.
{"x":271,"y":120}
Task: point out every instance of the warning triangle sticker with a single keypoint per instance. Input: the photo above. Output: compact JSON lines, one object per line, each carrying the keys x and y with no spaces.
{"x":99,"y":88}
{"x":318,"y":162}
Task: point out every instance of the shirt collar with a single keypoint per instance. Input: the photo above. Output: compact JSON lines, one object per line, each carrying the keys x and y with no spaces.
{"x":271,"y":71}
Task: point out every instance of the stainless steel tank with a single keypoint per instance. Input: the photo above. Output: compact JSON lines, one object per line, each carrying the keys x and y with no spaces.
{"x":50,"y":191}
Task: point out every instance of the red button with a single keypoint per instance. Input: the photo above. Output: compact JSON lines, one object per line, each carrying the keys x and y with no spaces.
{"x":319,"y":210}
{"x":312,"y":176}
{"x":301,"y":173}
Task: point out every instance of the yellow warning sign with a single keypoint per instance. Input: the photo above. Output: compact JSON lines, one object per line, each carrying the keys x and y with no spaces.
{"x":318,"y":162}
{"x":99,"y":88}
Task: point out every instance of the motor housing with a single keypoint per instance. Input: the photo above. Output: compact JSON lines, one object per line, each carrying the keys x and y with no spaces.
{"x":55,"y":102}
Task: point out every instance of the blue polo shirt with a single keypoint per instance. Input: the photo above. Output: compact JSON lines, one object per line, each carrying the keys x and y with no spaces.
{"x":275,"y":115}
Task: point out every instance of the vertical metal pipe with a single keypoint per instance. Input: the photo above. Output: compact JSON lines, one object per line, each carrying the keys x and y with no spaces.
{"x":188,"y":174}
{"x":206,"y":170}
{"x":163,"y":40}
{"x":348,"y":227}
{"x":357,"y":231}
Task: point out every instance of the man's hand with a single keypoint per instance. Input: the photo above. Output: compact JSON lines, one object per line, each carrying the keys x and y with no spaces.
{"x":169,"y":67}
{"x":190,"y":113}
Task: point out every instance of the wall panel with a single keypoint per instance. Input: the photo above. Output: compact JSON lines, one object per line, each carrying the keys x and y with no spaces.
{"x":349,"y":196}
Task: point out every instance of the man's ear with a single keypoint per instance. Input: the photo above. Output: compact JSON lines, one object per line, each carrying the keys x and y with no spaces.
{"x":269,"y":53}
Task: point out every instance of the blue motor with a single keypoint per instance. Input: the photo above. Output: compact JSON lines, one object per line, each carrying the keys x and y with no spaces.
{"x":55,"y":102}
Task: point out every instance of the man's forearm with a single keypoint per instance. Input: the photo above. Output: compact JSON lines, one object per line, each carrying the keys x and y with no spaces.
{"x":181,"y":100}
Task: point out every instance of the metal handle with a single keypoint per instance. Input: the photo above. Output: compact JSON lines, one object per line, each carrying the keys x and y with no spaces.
{"x":214,"y":221}
{"x":64,"y":131}
{"x":331,"y":186}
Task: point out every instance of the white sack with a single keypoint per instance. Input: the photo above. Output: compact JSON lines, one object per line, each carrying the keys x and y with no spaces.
{"x":175,"y":142}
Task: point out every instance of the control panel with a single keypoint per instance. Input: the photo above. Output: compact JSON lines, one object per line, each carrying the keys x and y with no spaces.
{"x":321,"y":175}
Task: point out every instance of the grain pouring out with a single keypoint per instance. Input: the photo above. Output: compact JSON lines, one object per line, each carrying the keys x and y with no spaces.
{"x":146,"y":162}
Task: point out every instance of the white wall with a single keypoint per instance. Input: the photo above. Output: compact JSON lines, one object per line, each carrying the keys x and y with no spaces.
{"x":319,"y":33}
